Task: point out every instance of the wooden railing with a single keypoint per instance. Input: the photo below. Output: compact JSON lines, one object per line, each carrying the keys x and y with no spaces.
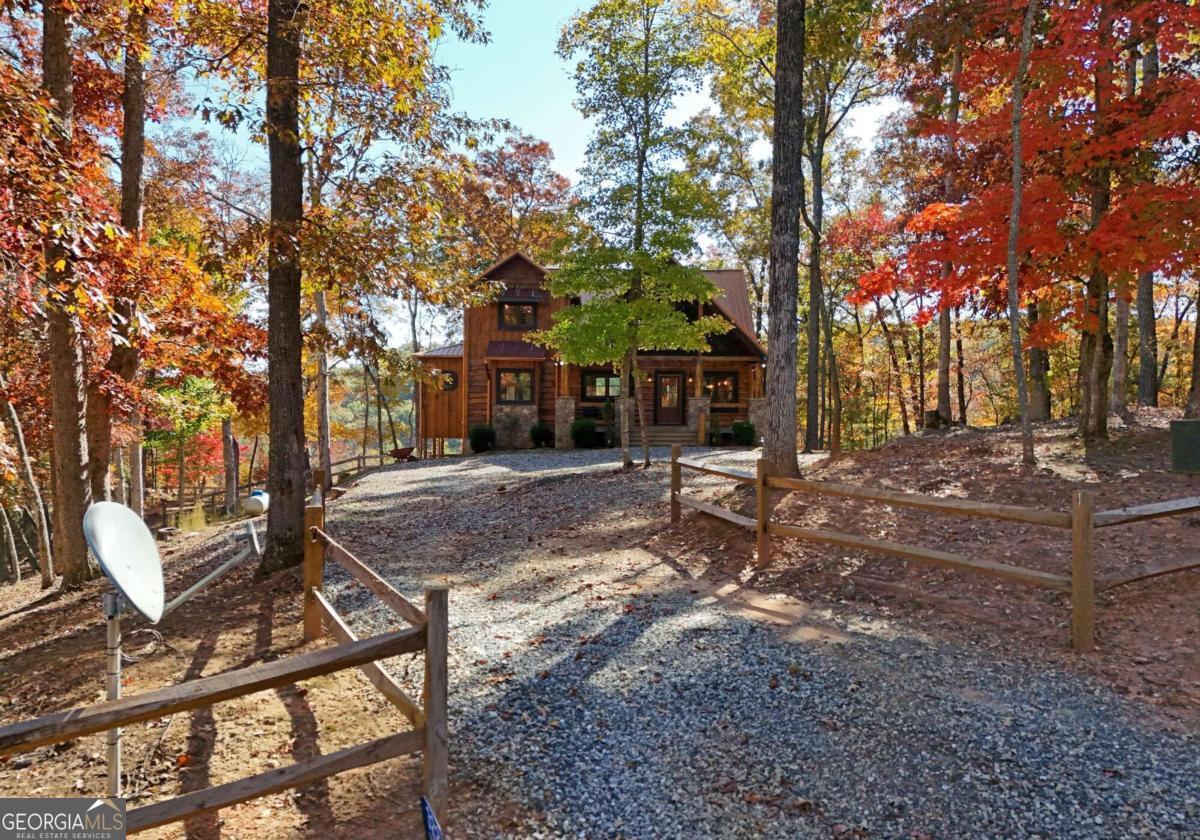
{"x":1082,"y":520}
{"x":430,"y":735}
{"x":431,"y":715}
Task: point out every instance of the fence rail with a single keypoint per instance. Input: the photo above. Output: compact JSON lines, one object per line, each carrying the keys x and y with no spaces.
{"x":319,"y":615}
{"x":1082,"y":520}
{"x":427,"y":631}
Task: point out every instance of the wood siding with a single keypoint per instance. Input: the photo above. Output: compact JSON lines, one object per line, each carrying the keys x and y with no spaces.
{"x":442,"y":411}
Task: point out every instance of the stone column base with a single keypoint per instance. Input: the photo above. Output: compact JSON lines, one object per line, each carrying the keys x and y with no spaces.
{"x":697,"y":408}
{"x":564,"y":416}
{"x":757,"y":414}
{"x":512,"y":424}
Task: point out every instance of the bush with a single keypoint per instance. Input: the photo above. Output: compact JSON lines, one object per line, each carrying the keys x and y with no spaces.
{"x":541,"y":434}
{"x":482,"y":438}
{"x":583,"y":432}
{"x":744,"y":433}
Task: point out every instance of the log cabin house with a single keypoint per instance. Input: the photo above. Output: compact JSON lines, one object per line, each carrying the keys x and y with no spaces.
{"x":499,"y":378}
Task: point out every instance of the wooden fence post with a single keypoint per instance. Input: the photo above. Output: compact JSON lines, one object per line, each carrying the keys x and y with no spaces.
{"x":436,"y":758}
{"x":314,"y":571}
{"x":676,"y":480}
{"x":762,"y":514}
{"x":1083,"y":572}
{"x":702,"y":428}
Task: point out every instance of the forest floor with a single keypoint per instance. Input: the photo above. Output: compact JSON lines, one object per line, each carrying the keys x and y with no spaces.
{"x":613,"y":675}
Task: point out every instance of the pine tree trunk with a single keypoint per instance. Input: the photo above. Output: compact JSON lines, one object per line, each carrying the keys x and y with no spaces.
{"x":286,"y":478}
{"x":787,"y":187}
{"x":68,"y":400}
{"x":33,"y":490}
{"x":1014,"y":227}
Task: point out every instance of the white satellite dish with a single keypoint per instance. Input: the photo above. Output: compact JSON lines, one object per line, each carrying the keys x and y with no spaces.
{"x":127,"y":554}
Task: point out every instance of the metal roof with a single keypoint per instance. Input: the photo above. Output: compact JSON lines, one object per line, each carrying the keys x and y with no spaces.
{"x":515,"y":350}
{"x":450,"y":350}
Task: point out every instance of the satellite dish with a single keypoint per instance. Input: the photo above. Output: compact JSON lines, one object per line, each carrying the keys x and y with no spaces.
{"x":256,"y":503}
{"x":127,"y":554}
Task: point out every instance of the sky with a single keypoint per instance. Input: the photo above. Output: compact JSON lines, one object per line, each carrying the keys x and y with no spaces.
{"x":518,"y":76}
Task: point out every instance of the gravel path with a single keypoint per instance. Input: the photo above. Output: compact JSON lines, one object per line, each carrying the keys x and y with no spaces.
{"x":600,"y":689}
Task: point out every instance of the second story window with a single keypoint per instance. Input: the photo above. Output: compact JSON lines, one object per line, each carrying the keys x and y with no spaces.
{"x":518,"y":316}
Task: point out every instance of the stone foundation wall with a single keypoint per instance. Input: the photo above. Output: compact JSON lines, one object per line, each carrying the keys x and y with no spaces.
{"x":512,"y":424}
{"x":564,"y":416}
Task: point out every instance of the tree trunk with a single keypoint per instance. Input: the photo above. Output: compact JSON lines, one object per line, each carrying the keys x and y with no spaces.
{"x":1148,"y":378}
{"x":640,"y":404}
{"x":73,"y":491}
{"x":1039,"y":370}
{"x":181,"y":465}
{"x":944,"y":414}
{"x":120,"y":490}
{"x":229,"y":449}
{"x":137,"y":467}
{"x":626,"y":408}
{"x":1120,"y":372}
{"x":787,"y":188}
{"x":835,"y":389}
{"x":32,"y":489}
{"x":1095,"y":356}
{"x":381,"y":401}
{"x":413,"y":303}
{"x":895,"y":359}
{"x":123,"y":359}
{"x":1014,"y":227}
{"x":13,"y":572}
{"x":324,"y":438}
{"x":961,"y":373}
{"x":286,"y":479}
{"x":1192,"y":409}
{"x":812,"y":369}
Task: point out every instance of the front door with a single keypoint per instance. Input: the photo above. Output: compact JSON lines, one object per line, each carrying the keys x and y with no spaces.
{"x":668,"y":399}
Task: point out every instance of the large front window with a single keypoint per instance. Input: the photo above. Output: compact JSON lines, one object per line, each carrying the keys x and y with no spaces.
{"x":721,"y":387}
{"x":518,"y":316}
{"x":599,"y":385}
{"x":514,"y":386}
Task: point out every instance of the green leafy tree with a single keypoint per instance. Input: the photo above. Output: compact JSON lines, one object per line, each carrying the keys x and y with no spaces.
{"x":633,"y":59}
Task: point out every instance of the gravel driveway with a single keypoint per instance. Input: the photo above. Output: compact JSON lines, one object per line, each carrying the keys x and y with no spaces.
{"x":601,"y":688}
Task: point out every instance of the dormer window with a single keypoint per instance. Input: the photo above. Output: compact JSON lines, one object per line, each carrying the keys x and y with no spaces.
{"x":518,"y":316}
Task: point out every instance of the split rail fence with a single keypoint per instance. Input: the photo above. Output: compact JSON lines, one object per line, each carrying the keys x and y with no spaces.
{"x":1082,"y":520}
{"x":430,"y":736}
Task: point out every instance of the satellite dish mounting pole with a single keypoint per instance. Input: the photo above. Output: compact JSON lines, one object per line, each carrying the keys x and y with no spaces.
{"x":112,"y":654}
